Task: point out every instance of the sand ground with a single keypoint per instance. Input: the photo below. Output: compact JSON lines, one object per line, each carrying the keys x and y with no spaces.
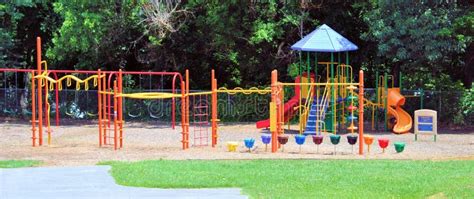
{"x":74,"y":145}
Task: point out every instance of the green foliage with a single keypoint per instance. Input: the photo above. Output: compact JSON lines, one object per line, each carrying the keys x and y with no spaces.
{"x":415,"y":37}
{"x":468,"y":105}
{"x":299,"y":178}
{"x":96,"y":34}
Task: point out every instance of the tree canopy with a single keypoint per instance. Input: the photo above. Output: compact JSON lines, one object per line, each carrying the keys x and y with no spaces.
{"x":430,"y":42}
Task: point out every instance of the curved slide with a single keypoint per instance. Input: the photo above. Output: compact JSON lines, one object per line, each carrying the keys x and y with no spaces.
{"x":404,"y":120}
{"x":289,"y":112}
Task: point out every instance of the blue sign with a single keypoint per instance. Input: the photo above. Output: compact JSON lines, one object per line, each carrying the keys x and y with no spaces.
{"x":425,"y":127}
{"x":425,"y":119}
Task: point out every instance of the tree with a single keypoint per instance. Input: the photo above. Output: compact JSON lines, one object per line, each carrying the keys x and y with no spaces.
{"x":105,"y":34}
{"x":411,"y":37}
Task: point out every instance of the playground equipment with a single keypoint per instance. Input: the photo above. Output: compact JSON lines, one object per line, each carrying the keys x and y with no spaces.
{"x":383,"y":143}
{"x":399,"y":146}
{"x":282,"y":140}
{"x":266,"y":140}
{"x":322,"y":105}
{"x":249,"y":142}
{"x":335,"y":141}
{"x":42,"y":84}
{"x":318,"y":140}
{"x":232,"y":146}
{"x":390,"y":99}
{"x":300,"y":140}
{"x":352,"y":140}
{"x":368,"y":140}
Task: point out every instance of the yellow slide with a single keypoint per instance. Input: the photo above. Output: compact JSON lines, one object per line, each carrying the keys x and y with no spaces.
{"x":395,"y":101}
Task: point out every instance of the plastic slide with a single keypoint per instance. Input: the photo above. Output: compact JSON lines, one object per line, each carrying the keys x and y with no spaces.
{"x":395,"y":101}
{"x":289,"y":112}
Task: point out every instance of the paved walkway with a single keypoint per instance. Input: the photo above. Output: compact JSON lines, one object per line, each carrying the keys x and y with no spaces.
{"x":88,"y":182}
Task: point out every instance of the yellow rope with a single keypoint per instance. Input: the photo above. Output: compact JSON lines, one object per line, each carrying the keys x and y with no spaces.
{"x":151,"y":95}
{"x":244,"y":91}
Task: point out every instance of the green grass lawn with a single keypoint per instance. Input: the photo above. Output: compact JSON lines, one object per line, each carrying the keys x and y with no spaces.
{"x":306,"y":178}
{"x":18,"y":163}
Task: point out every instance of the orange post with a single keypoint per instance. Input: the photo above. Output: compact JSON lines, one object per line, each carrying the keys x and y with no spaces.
{"x":274,"y":88}
{"x":40,"y":92}
{"x":33,"y":108}
{"x":214,"y":108}
{"x":99,"y":105}
{"x":361,"y":112}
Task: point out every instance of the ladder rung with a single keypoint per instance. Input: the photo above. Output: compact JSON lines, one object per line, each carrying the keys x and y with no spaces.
{"x":201,"y":114}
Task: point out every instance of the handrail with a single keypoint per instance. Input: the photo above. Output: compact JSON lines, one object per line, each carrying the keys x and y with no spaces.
{"x":323,"y":107}
{"x":309,"y":100}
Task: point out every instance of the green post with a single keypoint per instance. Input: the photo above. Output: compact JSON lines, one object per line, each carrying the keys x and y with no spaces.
{"x":347,"y":68}
{"x":385,"y":85}
{"x":332,"y":93}
{"x":308,"y":68}
{"x":376,"y":96}
{"x":316,"y":65}
{"x":299,"y":65}
{"x":299,"y":99}
{"x":316,"y":72}
{"x":339,"y":90}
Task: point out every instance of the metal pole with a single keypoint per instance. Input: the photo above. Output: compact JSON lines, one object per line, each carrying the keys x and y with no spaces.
{"x":333,"y":98}
{"x":378,"y":100}
{"x":361,"y":112}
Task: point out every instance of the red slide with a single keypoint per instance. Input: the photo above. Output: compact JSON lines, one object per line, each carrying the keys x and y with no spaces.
{"x":288,"y":111}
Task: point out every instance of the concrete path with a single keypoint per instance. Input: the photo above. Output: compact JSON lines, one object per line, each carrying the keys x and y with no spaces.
{"x":88,"y":182}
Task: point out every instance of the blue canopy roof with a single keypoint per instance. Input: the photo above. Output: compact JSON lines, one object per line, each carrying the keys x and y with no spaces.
{"x":324,"y":39}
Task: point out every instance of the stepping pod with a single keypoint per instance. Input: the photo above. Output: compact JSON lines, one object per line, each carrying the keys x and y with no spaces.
{"x":368,"y":139}
{"x":318,"y":139}
{"x":352,"y":139}
{"x":399,"y":146}
{"x":383,"y":143}
{"x":335,"y":141}
{"x":300,"y":140}
{"x":249,"y":142}
{"x":232,"y":146}
{"x":282,"y":139}
{"x":266,"y":138}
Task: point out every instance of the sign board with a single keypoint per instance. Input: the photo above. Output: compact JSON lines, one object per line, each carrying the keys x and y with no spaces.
{"x":426,"y":123}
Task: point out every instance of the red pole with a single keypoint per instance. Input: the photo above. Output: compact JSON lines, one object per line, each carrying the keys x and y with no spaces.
{"x":40,"y":91}
{"x":361,"y":112}
{"x":173,"y":108}
{"x":115,"y":115}
{"x":105,"y":117}
{"x":187,"y":109}
{"x":99,"y":106}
